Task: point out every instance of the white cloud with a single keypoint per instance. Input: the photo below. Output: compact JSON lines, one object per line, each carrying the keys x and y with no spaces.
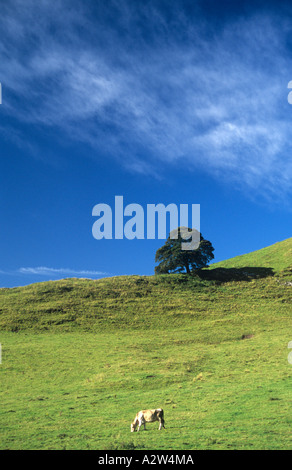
{"x":45,"y":271}
{"x":214,"y":101}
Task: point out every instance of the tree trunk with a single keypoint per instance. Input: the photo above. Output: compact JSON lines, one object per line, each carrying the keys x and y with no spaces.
{"x":187,"y":268}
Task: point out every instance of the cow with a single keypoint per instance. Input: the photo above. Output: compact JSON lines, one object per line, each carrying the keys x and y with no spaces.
{"x":148,"y":416}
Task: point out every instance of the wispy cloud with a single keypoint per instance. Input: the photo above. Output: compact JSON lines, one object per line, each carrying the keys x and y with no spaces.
{"x":52,"y":272}
{"x":214,"y":99}
{"x":45,"y":271}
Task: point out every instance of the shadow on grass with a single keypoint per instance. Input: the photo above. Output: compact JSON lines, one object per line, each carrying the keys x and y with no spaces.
{"x":235,"y":274}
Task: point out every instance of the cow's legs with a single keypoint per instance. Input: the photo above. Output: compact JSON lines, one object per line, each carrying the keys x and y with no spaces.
{"x":161,"y":423}
{"x":141,"y":421}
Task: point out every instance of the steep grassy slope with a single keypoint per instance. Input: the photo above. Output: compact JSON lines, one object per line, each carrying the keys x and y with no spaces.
{"x":77,"y":353}
{"x":277,"y":256}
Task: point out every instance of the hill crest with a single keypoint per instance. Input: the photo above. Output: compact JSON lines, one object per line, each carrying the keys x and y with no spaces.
{"x":277,"y":257}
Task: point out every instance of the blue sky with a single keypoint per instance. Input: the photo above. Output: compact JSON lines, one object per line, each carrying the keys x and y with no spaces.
{"x":179,"y":102}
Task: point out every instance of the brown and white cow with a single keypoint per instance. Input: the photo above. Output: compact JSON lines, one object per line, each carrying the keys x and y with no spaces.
{"x":148,"y":416}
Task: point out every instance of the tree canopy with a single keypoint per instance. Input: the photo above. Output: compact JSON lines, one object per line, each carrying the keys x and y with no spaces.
{"x":173,"y":259}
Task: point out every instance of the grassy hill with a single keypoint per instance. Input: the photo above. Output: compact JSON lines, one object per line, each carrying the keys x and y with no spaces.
{"x":277,"y":256}
{"x":211,"y":350}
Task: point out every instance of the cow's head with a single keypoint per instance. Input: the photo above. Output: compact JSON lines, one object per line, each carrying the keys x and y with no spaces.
{"x":133,"y":427}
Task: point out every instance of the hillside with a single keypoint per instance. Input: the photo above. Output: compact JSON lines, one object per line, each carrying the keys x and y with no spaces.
{"x":277,"y":257}
{"x":147,"y":301}
{"x":211,"y":351}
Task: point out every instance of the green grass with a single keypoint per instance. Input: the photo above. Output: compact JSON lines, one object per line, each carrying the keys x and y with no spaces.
{"x":81,"y":357}
{"x":277,"y":256}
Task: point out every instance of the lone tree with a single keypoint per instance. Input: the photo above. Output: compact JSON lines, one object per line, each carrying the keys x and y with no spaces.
{"x":173,"y":259}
